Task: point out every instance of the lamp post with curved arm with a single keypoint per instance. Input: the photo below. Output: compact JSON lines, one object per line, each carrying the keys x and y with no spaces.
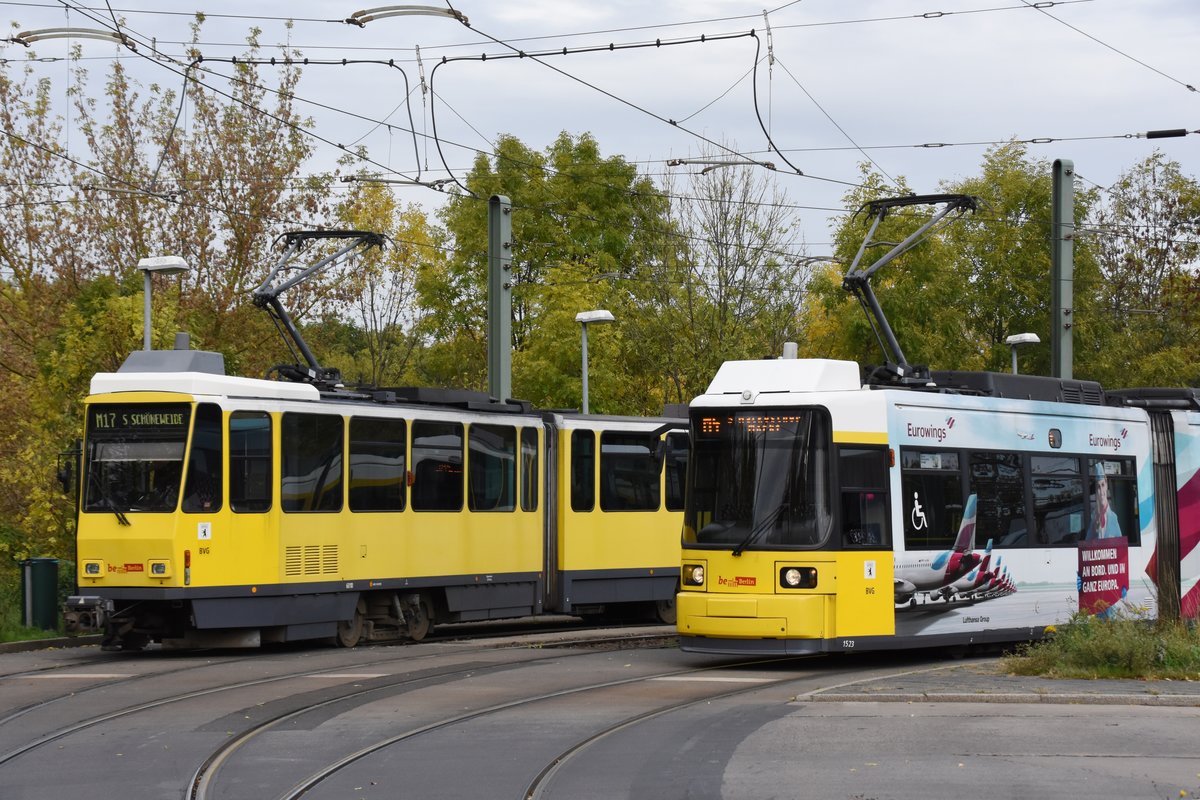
{"x":163,"y":265}
{"x":1019,"y":339}
{"x":583,"y":318}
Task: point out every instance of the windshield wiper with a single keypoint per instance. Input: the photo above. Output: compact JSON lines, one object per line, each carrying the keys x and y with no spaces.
{"x":108,"y":503}
{"x":761,"y":528}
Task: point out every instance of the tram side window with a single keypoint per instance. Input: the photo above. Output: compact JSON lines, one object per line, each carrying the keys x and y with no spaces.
{"x":377,"y":464}
{"x":1112,"y":495}
{"x":864,"y":477}
{"x":998,"y":483}
{"x":628,"y":472}
{"x":675,"y":468}
{"x":583,"y":470}
{"x":931,"y":483}
{"x":529,"y":469}
{"x":202,"y":486}
{"x":250,"y":461}
{"x":311,"y":464}
{"x":437,"y":465}
{"x":492,"y":481}
{"x":1057,"y":499}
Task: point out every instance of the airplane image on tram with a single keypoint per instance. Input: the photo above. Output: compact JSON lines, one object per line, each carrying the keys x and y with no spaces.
{"x":974,"y":581}
{"x":932,"y":572}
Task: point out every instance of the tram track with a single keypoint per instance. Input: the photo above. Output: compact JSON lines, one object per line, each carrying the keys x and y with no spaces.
{"x":205,"y":786}
{"x":104,"y":685}
{"x":463,"y":634}
{"x":326,"y":739}
{"x":406,"y":660}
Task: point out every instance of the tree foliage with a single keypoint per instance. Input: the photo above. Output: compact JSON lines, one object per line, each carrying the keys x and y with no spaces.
{"x":381,"y":313}
{"x":579,"y":220}
{"x":954,"y":298}
{"x":74,"y":221}
{"x":1146,"y":240}
{"x":728,"y":283}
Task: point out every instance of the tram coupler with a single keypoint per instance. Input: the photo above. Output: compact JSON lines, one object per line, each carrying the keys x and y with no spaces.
{"x":86,"y":613}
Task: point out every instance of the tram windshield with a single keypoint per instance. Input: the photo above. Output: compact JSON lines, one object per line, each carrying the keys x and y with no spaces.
{"x":134,"y":456}
{"x":759,"y":479}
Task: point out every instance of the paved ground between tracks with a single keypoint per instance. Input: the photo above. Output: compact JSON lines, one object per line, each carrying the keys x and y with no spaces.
{"x":968,"y":682}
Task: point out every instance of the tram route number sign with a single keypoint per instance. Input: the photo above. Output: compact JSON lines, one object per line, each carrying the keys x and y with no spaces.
{"x":1103,"y":573}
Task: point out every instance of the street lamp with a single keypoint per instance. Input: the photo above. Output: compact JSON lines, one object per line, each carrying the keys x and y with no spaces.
{"x":583,"y":318}
{"x":163,"y":265}
{"x":1019,"y":339}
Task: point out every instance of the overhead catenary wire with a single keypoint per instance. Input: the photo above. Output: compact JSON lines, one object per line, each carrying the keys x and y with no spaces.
{"x":943,"y":144}
{"x":927,"y":15}
{"x":1043,"y":8}
{"x":790,"y":150}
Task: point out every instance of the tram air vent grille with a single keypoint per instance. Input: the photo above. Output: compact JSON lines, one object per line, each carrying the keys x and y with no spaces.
{"x":310,"y":559}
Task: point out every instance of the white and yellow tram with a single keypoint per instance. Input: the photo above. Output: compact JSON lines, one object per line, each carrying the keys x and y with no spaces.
{"x":827,"y":514}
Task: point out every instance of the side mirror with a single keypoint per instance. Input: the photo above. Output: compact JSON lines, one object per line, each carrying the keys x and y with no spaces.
{"x":660,"y":451}
{"x":66,"y":477}
{"x":65,"y":472}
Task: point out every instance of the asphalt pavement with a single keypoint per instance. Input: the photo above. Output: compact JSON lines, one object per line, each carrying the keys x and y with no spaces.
{"x":971,"y":681}
{"x":986,"y":682}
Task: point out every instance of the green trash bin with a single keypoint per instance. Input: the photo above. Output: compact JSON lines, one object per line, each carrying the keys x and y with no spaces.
{"x":39,"y":593}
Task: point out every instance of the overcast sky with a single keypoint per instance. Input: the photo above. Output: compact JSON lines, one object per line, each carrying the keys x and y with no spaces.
{"x":886,"y":76}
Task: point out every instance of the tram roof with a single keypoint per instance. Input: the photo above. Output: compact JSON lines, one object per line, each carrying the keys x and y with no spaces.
{"x":201,"y":383}
{"x":748,"y":379}
{"x":785,"y":375}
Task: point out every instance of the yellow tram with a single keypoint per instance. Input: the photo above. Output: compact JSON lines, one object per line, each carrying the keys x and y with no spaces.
{"x":217,"y":510}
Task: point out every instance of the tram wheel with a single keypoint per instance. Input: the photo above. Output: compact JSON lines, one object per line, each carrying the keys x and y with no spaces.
{"x":422,"y":620}
{"x":350,"y":631}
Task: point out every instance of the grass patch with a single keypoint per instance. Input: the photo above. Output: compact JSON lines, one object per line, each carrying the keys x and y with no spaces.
{"x":1121,"y":647}
{"x":11,"y":629}
{"x":12,"y":603}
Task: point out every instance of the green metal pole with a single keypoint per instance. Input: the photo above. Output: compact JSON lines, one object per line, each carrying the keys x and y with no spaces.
{"x":1062,"y":266}
{"x":499,"y":297}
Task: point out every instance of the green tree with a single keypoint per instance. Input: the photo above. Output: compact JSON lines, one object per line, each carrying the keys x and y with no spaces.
{"x":1006,"y":248}
{"x":955,"y":297}
{"x":727,"y":284}
{"x":578,"y":220}
{"x":1146,"y":240}
{"x":72,"y":228}
{"x":383,"y":289}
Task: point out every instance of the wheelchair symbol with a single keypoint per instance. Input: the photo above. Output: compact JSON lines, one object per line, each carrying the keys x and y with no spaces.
{"x":918,"y":514}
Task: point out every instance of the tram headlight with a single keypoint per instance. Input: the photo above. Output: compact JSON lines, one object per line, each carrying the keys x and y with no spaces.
{"x":693,"y":574}
{"x":93,"y":569}
{"x":798,"y":577}
{"x":160,"y":569}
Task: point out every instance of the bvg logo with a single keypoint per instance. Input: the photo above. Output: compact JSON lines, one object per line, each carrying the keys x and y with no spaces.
{"x":740,"y":580}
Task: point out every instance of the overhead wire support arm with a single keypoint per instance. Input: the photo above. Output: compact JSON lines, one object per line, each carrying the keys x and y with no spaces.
{"x":858,"y":279}
{"x":267,"y":295}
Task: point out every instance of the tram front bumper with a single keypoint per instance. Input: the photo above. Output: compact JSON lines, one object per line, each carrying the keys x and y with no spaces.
{"x":754,"y":616}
